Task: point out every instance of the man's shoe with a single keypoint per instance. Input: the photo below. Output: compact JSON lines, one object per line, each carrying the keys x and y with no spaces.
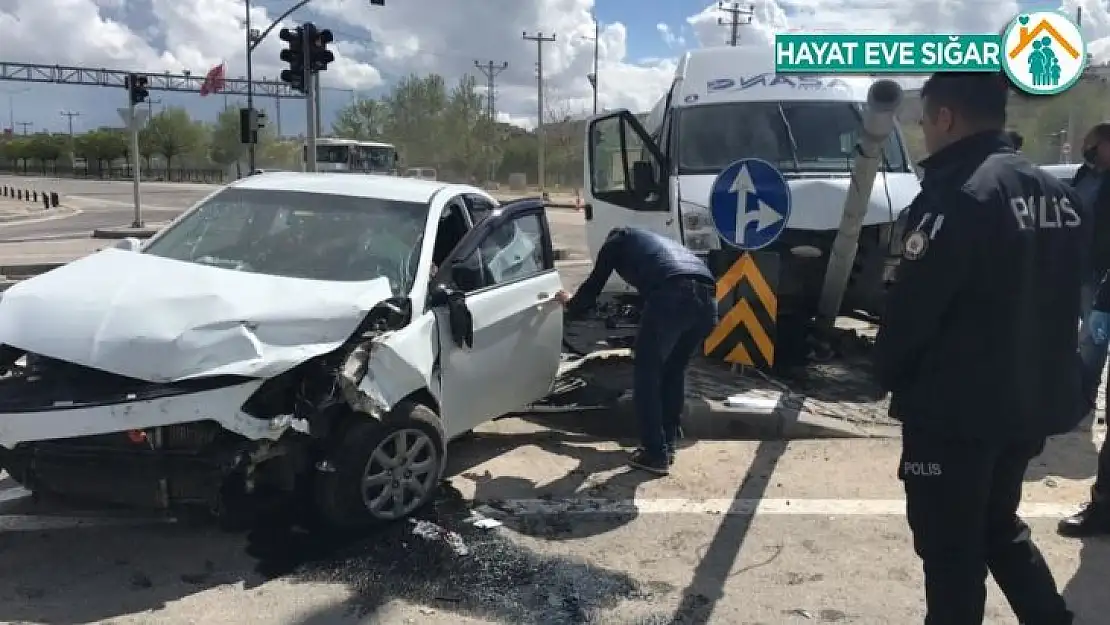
{"x":1092,"y":520}
{"x":640,"y":459}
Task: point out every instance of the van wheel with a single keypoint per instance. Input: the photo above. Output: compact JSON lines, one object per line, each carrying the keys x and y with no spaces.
{"x":382,"y":470}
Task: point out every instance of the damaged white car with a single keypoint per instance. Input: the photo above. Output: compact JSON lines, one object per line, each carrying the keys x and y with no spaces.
{"x":292,"y":336}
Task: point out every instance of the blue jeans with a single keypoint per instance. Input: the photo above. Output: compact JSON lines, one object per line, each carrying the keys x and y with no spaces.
{"x":673,"y":325}
{"x":1092,"y":354}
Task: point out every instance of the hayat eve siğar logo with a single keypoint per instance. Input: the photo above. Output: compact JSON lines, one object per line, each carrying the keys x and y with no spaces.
{"x":1044,"y":52}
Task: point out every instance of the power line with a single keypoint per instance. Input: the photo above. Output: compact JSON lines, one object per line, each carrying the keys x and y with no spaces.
{"x":540,"y":40}
{"x":735,"y":13}
{"x":70,"y":115}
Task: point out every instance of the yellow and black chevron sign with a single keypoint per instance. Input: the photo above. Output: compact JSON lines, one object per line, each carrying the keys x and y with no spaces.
{"x":747,"y":303}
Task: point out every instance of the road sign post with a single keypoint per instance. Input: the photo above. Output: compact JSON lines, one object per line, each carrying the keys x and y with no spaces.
{"x":750,"y":202}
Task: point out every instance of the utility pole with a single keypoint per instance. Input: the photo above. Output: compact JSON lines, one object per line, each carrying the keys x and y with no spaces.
{"x":735,"y":13}
{"x":25,"y":125}
{"x":150,"y":102}
{"x":277,"y":116}
{"x":540,"y":40}
{"x":491,"y":70}
{"x":597,"y":44}
{"x":70,"y":115}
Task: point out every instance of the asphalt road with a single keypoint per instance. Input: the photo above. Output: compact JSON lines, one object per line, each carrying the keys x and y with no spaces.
{"x":743,"y":531}
{"x":109,"y":203}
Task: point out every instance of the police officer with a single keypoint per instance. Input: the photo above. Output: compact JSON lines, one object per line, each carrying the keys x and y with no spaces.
{"x":979,"y":350}
{"x":679,"y":311}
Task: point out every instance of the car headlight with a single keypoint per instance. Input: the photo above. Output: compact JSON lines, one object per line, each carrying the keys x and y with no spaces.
{"x":699,"y":231}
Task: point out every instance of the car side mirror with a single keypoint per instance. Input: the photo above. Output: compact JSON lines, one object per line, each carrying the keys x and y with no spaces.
{"x":643,"y":178}
{"x":129,"y":244}
{"x":458,"y":315}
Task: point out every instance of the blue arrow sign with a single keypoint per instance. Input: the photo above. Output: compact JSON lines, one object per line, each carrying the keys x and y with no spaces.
{"x":750,"y":202}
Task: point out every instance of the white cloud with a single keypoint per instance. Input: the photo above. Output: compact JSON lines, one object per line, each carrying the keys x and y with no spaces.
{"x":670,"y":38}
{"x":376,"y":45}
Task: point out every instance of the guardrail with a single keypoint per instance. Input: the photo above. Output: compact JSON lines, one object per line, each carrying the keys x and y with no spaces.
{"x":210,"y":176}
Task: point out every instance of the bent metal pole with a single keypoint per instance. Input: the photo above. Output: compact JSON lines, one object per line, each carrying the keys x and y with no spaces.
{"x":883,"y":99}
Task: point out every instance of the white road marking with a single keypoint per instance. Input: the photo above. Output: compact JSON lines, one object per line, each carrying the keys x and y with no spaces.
{"x":740,"y":507}
{"x":102,"y":201}
{"x":35,"y":220}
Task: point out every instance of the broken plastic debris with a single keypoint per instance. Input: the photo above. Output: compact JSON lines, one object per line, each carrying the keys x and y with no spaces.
{"x":487,"y":524}
{"x":430,"y":531}
{"x":751,"y":403}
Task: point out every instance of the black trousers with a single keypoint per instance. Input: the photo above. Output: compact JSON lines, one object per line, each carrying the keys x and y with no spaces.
{"x":962,"y":498}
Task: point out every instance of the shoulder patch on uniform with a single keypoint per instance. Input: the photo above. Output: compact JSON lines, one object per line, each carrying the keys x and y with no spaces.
{"x":915,"y":245}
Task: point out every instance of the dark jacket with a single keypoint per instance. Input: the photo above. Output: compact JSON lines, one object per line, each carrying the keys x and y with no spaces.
{"x":643,"y":259}
{"x":1100,"y":255}
{"x":979,"y":335}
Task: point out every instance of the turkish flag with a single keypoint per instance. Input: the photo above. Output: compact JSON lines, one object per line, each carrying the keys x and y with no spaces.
{"x":213,"y":81}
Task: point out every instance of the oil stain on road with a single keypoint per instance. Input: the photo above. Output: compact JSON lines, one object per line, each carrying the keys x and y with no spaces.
{"x":443,"y":561}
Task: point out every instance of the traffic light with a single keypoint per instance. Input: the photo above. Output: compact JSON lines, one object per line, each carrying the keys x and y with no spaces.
{"x":294,"y":55}
{"x":136,"y":88}
{"x":250,"y":122}
{"x":318,"y":54}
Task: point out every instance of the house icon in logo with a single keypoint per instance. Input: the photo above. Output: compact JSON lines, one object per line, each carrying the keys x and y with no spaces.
{"x":1045,"y":52}
{"x":1026,"y":37}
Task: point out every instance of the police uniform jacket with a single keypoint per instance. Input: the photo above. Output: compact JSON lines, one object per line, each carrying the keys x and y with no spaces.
{"x":1100,"y":251}
{"x":643,"y":259}
{"x":979,"y":335}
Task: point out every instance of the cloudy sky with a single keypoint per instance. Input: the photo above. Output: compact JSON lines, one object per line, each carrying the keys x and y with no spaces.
{"x":639,"y":44}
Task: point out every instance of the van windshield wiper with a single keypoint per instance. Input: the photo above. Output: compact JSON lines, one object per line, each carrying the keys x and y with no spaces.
{"x":790,"y":135}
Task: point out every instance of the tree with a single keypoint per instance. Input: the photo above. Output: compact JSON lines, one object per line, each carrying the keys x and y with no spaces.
{"x":101,"y":146}
{"x":563,"y":140}
{"x":364,"y":119}
{"x":172,"y":133}
{"x":17,"y":150}
{"x":415,"y":121}
{"x":226,"y":146}
{"x":47,"y":148}
{"x":465,"y":131}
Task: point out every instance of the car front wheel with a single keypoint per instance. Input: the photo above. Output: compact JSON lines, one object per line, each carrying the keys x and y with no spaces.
{"x":384,"y":470}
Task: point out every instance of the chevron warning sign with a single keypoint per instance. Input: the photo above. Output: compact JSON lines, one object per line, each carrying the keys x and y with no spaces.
{"x":747,"y":303}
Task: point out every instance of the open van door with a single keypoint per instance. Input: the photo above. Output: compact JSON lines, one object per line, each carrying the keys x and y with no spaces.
{"x":626,"y":181}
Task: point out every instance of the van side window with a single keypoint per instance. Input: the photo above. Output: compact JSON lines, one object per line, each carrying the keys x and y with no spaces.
{"x":624,"y":169}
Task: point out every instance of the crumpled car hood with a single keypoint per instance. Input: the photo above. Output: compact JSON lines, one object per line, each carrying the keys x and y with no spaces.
{"x":163,"y":320}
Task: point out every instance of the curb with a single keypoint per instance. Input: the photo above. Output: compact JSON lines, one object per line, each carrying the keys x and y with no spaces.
{"x":122,"y":232}
{"x":784,"y":423}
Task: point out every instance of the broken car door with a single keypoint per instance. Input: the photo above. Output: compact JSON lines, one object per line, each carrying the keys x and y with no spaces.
{"x":502,"y":283}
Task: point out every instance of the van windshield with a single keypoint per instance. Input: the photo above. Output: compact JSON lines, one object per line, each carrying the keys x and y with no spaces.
{"x":794,"y":136}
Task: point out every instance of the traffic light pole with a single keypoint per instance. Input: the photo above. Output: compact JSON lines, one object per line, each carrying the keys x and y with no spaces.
{"x":311,"y":85}
{"x":135,"y":159}
{"x":250,"y":90}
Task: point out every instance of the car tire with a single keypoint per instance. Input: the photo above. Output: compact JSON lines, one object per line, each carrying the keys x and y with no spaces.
{"x":369,"y":450}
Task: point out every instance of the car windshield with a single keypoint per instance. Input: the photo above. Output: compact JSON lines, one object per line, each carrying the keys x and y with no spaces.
{"x":301,"y":235}
{"x":794,"y":136}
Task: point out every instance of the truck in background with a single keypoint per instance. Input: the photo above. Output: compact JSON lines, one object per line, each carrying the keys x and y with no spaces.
{"x":726,"y":104}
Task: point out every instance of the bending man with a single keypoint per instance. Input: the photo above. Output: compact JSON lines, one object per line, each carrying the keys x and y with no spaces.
{"x":679,"y":311}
